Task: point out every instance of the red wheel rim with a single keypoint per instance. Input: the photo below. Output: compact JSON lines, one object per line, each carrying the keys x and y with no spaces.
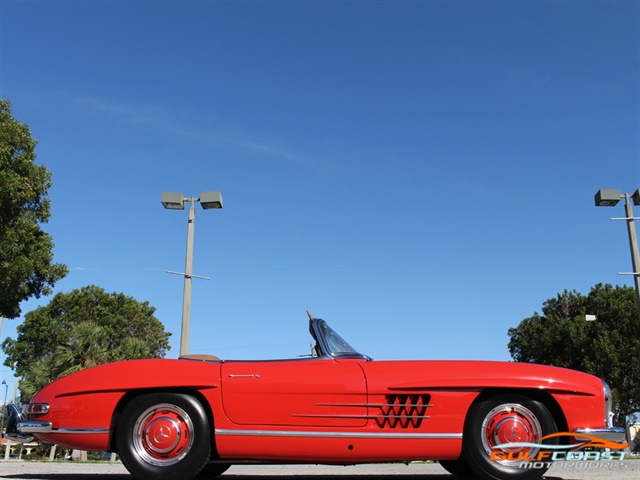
{"x":163,"y":434}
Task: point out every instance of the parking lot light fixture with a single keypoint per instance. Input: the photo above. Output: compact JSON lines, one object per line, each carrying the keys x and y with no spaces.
{"x":210,"y":200}
{"x":175,"y":201}
{"x":610,"y":198}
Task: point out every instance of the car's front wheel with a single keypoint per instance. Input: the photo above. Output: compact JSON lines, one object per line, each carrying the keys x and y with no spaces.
{"x":494,"y":423}
{"x":164,"y":436}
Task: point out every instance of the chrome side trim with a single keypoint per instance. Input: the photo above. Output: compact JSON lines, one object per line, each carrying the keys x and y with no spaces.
{"x":374,"y":405}
{"x":401,"y":415}
{"x":81,"y":431}
{"x":392,"y":417}
{"x":280,"y":433}
{"x":46,"y":427}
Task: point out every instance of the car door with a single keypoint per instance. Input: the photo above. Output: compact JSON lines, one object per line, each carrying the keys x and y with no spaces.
{"x":307,"y":392}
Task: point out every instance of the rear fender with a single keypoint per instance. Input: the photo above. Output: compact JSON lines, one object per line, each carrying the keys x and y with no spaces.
{"x":197,"y":394}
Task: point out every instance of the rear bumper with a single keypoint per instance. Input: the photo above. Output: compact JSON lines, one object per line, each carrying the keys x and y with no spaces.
{"x":15,"y":426}
{"x":21,"y":430}
{"x":34,"y":427}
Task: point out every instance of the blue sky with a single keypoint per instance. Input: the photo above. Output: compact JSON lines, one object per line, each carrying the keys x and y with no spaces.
{"x":420,"y":174}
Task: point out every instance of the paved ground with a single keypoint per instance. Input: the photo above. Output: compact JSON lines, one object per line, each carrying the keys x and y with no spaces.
{"x":101,"y":471}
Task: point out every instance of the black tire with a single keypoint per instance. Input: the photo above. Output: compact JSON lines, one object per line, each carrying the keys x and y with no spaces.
{"x":213,"y":470}
{"x":458,"y":468}
{"x":506,"y":419}
{"x":164,"y":436}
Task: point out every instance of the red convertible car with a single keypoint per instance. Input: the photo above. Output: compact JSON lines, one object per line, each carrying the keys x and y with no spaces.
{"x":196,"y":416}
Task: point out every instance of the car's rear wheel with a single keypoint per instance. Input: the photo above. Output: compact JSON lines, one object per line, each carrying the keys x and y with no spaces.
{"x":497,"y":421}
{"x":164,"y":436}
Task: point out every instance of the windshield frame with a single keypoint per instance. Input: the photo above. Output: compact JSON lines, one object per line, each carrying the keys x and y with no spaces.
{"x":329,"y":343}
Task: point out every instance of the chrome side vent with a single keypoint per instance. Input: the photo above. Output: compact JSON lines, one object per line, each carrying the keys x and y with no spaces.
{"x":403,"y":411}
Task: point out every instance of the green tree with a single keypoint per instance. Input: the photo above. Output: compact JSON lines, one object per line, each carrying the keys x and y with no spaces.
{"x":26,"y":268}
{"x":608,"y":347}
{"x":82,"y":329}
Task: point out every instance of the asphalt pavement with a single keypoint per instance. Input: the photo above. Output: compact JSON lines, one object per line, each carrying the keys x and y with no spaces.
{"x":19,"y":470}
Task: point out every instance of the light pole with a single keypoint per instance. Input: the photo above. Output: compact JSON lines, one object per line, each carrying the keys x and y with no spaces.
{"x":610,"y":198}
{"x":175,"y":201}
{"x":5,"y":413}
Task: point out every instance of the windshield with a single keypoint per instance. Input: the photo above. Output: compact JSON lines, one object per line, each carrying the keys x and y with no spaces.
{"x":331,"y":343}
{"x":337,"y":345}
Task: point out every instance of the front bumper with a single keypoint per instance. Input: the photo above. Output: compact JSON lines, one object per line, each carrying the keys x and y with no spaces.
{"x":613,"y":434}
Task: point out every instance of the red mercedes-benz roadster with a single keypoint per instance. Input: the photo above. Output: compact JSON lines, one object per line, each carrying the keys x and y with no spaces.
{"x":194,"y":417}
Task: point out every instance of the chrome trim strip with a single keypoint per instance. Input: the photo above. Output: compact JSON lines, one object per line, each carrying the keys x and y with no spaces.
{"x":46,"y":427}
{"x":319,"y":415}
{"x":374,"y":405}
{"x":279,"y":433}
{"x":81,"y":431}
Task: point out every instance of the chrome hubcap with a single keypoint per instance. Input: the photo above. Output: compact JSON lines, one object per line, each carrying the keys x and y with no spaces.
{"x":163,"y":434}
